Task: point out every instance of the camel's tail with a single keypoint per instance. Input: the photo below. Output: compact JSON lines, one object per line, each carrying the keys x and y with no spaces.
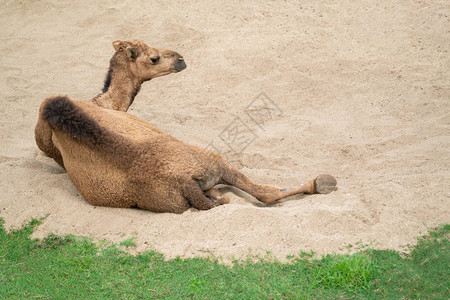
{"x":64,"y":115}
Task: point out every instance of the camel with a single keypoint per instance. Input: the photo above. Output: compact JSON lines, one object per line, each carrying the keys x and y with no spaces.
{"x":115,"y":159}
{"x":132,"y":64}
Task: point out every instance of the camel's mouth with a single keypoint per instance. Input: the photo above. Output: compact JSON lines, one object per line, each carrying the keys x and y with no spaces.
{"x":180,"y":65}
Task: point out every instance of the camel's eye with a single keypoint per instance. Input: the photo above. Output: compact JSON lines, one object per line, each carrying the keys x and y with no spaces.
{"x":154,"y":59}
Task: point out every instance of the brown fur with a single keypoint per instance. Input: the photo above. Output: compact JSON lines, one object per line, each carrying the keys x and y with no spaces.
{"x":115,"y":159}
{"x":133,"y":63}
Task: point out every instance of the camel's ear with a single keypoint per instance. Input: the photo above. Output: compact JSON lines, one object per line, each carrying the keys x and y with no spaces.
{"x":132,"y":52}
{"x":118,"y":44}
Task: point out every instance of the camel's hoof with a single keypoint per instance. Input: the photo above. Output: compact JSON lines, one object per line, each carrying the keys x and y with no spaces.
{"x":325,"y":184}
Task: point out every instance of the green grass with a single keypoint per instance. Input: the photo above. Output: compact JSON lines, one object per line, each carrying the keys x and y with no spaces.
{"x":74,"y":267}
{"x":128,"y":243}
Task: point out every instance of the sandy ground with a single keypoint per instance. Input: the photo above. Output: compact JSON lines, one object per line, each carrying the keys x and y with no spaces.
{"x":358,"y":89}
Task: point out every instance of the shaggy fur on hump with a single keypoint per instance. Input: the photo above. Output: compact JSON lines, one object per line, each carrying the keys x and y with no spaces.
{"x":63,"y":115}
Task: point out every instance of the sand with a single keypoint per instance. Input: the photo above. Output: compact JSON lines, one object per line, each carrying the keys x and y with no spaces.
{"x":356,"y":89}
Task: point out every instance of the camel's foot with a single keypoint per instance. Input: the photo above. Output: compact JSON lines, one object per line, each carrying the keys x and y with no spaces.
{"x":224,"y":200}
{"x":216,"y":197}
{"x":218,"y":201}
{"x":324,"y":184}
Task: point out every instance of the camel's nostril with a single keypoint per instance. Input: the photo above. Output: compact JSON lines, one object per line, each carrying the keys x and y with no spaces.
{"x":180,"y":58}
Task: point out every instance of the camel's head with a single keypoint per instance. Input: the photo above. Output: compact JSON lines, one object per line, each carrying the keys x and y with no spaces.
{"x":147,"y":62}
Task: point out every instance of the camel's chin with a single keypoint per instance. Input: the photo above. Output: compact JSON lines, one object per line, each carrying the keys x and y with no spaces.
{"x":161,"y":74}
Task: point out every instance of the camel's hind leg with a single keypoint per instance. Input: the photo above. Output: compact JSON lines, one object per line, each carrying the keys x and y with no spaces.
{"x":323,"y":184}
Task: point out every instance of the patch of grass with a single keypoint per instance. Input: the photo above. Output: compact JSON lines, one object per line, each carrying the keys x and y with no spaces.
{"x":348,"y":273}
{"x":130,"y":242}
{"x":75,"y":267}
{"x":424,"y":273}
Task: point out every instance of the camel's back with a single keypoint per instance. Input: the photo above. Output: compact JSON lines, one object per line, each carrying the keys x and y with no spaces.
{"x":152,"y":145}
{"x":121,"y":123}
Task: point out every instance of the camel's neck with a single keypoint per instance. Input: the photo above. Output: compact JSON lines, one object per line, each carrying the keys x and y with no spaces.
{"x":120,"y":89}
